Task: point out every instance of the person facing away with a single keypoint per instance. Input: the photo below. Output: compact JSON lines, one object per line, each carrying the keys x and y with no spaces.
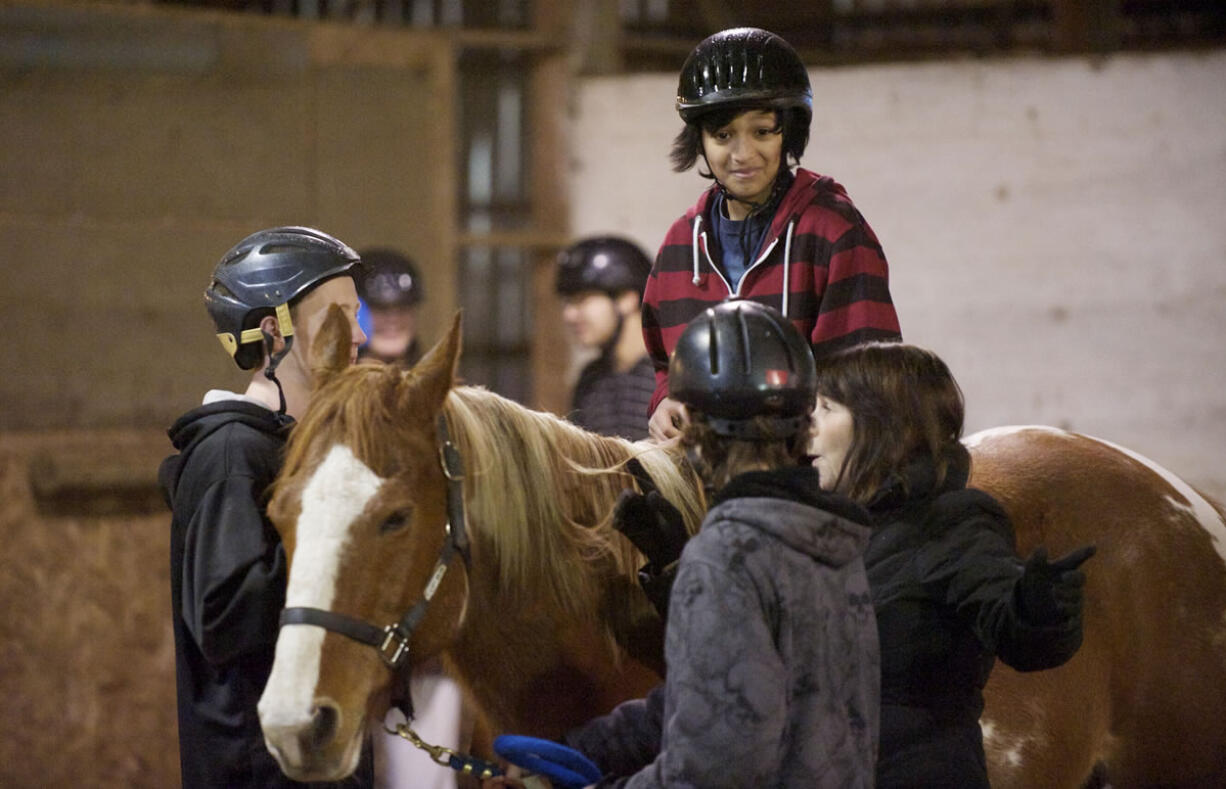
{"x":600,"y":280}
{"x":949,"y":591}
{"x":391,"y":288}
{"x":771,"y":644}
{"x":268,"y":297}
{"x":791,"y":240}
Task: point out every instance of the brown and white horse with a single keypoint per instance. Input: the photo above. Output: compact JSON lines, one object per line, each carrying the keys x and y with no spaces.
{"x":531,"y":593}
{"x":532,"y":625}
{"x":1145,"y":696}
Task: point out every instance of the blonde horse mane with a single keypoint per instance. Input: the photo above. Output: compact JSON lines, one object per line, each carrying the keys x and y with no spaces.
{"x":540,"y":495}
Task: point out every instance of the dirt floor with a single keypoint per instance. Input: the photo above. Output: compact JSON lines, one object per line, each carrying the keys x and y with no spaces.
{"x":86,"y":650}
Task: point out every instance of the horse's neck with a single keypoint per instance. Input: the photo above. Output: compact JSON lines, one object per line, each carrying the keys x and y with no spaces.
{"x":528,"y":672}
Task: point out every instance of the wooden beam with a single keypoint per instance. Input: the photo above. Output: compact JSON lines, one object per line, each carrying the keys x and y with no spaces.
{"x":549,"y":89}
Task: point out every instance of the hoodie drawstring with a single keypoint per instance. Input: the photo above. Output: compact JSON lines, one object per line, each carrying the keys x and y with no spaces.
{"x":787,"y":265}
{"x":694,"y":246}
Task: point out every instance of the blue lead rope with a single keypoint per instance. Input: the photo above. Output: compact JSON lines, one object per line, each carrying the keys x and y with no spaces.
{"x":565,"y":767}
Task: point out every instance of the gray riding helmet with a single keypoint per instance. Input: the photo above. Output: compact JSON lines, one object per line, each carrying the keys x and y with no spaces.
{"x":266,"y":271}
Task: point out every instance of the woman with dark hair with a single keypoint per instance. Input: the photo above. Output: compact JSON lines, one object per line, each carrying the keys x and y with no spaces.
{"x":766,"y":230}
{"x":948,"y":589}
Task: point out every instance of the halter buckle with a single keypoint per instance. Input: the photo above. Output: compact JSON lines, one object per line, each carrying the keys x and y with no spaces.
{"x":449,"y":459}
{"x":396,"y":644}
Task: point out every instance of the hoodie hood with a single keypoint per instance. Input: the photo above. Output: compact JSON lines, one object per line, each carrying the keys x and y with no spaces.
{"x":790,"y":505}
{"x":806,"y":188}
{"x":196,"y":425}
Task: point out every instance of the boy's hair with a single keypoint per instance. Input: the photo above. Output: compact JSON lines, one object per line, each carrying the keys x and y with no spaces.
{"x":793,"y":122}
{"x":718,"y":459}
{"x":905,"y":404}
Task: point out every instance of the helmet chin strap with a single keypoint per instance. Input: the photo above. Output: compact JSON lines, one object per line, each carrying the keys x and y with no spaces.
{"x":274,"y":359}
{"x":286,"y":327}
{"x":606,"y":347}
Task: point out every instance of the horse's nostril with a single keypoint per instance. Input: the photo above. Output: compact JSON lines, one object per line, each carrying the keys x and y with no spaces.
{"x":323,"y":725}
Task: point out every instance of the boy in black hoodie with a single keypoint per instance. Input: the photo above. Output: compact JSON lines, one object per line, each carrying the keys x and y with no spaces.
{"x":267,"y":297}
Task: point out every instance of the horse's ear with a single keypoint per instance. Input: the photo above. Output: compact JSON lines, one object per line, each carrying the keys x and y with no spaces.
{"x":331,"y":347}
{"x":436,"y":372}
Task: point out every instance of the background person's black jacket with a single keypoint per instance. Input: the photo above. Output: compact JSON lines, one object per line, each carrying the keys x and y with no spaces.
{"x":943,"y":570}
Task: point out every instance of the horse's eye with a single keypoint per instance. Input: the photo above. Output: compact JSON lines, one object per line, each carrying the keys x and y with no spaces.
{"x":396,"y":521}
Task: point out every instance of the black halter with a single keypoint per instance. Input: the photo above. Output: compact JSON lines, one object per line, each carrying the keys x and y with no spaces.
{"x":392,"y":641}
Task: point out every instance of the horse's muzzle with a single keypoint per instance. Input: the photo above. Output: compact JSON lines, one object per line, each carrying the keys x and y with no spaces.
{"x":308,"y":750}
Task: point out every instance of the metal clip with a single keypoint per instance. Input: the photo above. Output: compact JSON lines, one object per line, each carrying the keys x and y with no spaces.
{"x":393,"y":635}
{"x":446,"y":757}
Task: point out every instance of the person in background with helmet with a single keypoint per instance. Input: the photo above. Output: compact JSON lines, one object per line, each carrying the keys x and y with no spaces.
{"x":791,"y":240}
{"x":601,"y":280}
{"x":771,"y":644}
{"x":391,"y":288}
{"x":268,"y":297}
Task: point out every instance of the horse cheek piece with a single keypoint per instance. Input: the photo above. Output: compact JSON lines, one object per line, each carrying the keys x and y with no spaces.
{"x":393,"y":641}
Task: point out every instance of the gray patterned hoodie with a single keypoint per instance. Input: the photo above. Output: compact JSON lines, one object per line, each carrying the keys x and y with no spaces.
{"x":771,"y":644}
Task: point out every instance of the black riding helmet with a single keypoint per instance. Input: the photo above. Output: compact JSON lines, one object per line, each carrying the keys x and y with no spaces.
{"x":740,"y":360}
{"x":744,"y":65}
{"x":390,"y":279}
{"x":737,"y":70}
{"x":263,"y":274}
{"x":607,"y":264}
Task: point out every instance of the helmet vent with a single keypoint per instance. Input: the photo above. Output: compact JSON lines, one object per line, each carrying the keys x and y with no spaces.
{"x":743,"y":335}
{"x":276,"y":249}
{"x":222,"y":290}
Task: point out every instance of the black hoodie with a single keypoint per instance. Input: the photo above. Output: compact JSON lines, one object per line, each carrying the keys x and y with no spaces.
{"x":227,"y":575}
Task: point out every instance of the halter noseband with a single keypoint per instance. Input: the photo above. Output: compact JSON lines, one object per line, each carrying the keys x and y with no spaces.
{"x":392,"y":641}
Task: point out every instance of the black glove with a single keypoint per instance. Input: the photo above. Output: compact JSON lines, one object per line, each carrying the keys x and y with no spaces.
{"x":1050,"y":592}
{"x":653,"y":524}
{"x":657,"y":529}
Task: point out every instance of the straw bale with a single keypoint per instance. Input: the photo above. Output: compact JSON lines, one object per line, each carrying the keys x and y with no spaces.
{"x":86,"y":649}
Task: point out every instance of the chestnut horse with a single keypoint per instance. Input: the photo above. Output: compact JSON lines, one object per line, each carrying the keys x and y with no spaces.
{"x":534,"y":622}
{"x":531,"y":593}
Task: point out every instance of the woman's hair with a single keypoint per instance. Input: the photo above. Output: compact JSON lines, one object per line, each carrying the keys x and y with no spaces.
{"x":904,"y":403}
{"x":718,"y":459}
{"x":687,"y":146}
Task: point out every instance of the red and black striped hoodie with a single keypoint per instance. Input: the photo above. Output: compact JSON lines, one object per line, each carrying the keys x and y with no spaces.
{"x":820,"y":265}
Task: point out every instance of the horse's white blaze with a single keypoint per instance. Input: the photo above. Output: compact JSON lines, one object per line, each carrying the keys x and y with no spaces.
{"x":333,"y":498}
{"x":1194,"y":504}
